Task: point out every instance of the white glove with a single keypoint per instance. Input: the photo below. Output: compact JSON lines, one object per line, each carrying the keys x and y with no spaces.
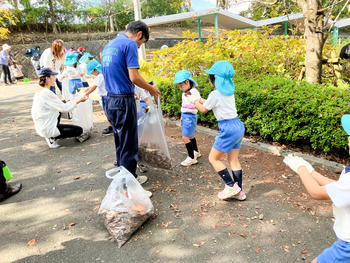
{"x":192,"y":98}
{"x":294,"y":162}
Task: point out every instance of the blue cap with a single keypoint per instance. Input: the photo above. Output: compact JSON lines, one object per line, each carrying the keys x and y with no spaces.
{"x":92,"y":65}
{"x":224,"y":73}
{"x":345,"y":122}
{"x":182,"y":76}
{"x":71,"y":58}
{"x":85,"y":57}
{"x":46,"y":72}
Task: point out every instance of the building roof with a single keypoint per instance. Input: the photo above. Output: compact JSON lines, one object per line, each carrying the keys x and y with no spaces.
{"x":343,"y":23}
{"x":225,"y":18}
{"x":280,"y":19}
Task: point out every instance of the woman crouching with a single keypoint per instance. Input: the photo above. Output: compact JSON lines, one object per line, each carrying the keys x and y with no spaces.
{"x":47,"y":108}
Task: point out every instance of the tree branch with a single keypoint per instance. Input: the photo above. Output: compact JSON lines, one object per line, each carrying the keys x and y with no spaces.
{"x":266,"y":3}
{"x":337,"y":17}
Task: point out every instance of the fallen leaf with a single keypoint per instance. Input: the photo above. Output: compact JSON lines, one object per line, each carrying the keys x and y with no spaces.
{"x":72,"y":224}
{"x":243,"y":235}
{"x":31,"y":242}
{"x":88,"y":163}
{"x":286,"y":249}
{"x":77,"y":178}
{"x":304,"y":251}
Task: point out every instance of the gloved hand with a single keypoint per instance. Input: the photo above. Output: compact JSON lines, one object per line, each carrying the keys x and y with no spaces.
{"x":192,"y":98}
{"x":294,"y":162}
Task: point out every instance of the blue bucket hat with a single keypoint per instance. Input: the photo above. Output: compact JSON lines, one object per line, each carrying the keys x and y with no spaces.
{"x":71,"y":58}
{"x":224,"y":73}
{"x":92,"y":65}
{"x":182,"y":76}
{"x":85,"y":57}
{"x":345,"y":122}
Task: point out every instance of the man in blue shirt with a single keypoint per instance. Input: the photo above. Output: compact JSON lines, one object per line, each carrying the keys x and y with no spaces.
{"x":120,"y":71}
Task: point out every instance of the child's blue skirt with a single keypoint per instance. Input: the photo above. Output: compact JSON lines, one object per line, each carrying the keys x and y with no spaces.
{"x":230,"y":136}
{"x":188,"y":123}
{"x":339,"y":252}
{"x":74,"y":85}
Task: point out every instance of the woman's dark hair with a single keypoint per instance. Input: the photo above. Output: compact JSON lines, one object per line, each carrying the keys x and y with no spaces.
{"x":75,"y":65}
{"x":137,"y":26}
{"x":212,"y":78}
{"x":191,"y":83}
{"x":42,"y":81}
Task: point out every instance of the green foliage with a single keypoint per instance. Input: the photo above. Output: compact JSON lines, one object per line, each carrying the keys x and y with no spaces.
{"x":259,"y":11}
{"x":250,"y":51}
{"x":278,"y":109}
{"x":6,"y":18}
{"x":151,"y":8}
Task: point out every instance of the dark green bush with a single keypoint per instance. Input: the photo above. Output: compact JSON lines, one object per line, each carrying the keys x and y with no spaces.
{"x":278,"y":109}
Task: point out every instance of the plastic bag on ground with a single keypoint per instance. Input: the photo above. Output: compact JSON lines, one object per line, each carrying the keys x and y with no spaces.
{"x":153,"y":147}
{"x":125,"y":206}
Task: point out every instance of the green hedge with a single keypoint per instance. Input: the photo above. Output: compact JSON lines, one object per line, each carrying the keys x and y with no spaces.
{"x":278,"y":109}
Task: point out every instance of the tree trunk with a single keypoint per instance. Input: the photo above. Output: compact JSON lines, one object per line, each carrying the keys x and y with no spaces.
{"x":111,"y":23}
{"x":52,"y":15}
{"x":314,"y":40}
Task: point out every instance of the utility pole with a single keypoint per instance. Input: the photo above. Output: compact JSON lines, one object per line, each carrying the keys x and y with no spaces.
{"x":137,"y":13}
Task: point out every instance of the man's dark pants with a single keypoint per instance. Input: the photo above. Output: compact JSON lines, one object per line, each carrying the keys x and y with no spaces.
{"x":121,"y":113}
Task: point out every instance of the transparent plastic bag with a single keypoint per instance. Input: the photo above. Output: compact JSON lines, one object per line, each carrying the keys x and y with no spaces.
{"x":125,"y":206}
{"x":83,"y":116}
{"x":153,"y":147}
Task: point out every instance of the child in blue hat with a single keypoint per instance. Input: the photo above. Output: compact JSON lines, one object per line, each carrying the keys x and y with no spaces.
{"x":72,"y":72}
{"x":83,"y":61}
{"x":222,"y":102}
{"x":323,"y":188}
{"x":94,"y":68}
{"x":188,"y":86}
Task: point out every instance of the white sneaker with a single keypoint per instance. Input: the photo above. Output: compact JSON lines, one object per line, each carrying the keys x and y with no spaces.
{"x":229,"y":192}
{"x":149,"y":193}
{"x":189,"y":161}
{"x":52,"y":143}
{"x":240,"y":196}
{"x":142,"y":179}
{"x":197,"y":154}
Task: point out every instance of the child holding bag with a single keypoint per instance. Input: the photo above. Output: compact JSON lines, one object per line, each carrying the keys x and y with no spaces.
{"x":188,"y":86}
{"x":222,"y":102}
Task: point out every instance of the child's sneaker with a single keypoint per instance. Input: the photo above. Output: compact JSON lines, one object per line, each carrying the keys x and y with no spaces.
{"x":189,"y":161}
{"x":229,"y":192}
{"x":142,"y":179}
{"x":108,"y":131}
{"x":240,"y":196}
{"x":52,"y":143}
{"x":197,"y":154}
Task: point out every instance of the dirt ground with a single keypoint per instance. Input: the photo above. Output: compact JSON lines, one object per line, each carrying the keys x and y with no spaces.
{"x":54,"y":218}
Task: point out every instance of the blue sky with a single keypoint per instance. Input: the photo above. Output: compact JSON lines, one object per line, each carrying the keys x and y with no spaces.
{"x":236,"y":8}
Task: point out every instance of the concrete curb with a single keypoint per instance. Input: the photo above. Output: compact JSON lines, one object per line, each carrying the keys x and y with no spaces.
{"x":335,"y":167}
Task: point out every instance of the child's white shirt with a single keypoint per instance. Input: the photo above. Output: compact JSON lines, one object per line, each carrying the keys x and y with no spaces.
{"x":83,"y":70}
{"x":188,"y":106}
{"x":100,"y":84}
{"x":141,"y":93}
{"x":224,"y":107}
{"x":339,"y":192}
{"x":71,"y":72}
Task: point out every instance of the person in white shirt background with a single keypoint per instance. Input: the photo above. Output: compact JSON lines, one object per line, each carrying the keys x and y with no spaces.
{"x":188,"y":115}
{"x":323,"y":188}
{"x":53,"y":58}
{"x":46,"y":111}
{"x":222,"y":102}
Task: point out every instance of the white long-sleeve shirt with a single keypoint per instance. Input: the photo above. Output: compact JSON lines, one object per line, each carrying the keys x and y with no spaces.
{"x":47,"y":60}
{"x":45,"y":111}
